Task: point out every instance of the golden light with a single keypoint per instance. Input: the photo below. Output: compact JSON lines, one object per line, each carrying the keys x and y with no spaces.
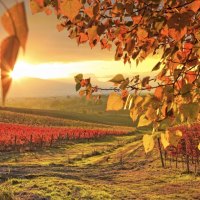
{"x":102,"y":69}
{"x":15,"y":75}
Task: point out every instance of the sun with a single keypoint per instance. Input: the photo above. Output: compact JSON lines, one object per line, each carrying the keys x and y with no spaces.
{"x":15,"y":75}
{"x":19,"y":71}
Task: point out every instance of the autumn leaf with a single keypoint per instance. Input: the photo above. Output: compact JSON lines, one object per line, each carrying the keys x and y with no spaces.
{"x":164,"y":141}
{"x":145,"y":81}
{"x":36,"y":6}
{"x":159,"y":92}
{"x":119,"y":78}
{"x":82,"y":92}
{"x":147,"y":101}
{"x":89,"y":11}
{"x":134,"y":114}
{"x":173,"y":137}
{"x":148,"y":143}
{"x":190,"y":110}
{"x":118,"y":9}
{"x":157,"y":66}
{"x":124,"y":84}
{"x":83,"y":37}
{"x":194,"y":6}
{"x":15,"y":23}
{"x":60,"y":27}
{"x":143,"y":121}
{"x":8,"y":54}
{"x":142,"y":34}
{"x":138,"y":101}
{"x":70,"y":8}
{"x":114,"y":102}
{"x":78,"y":86}
{"x":199,"y":146}
{"x":78,"y":78}
{"x":92,"y":33}
{"x":136,"y":19}
{"x":190,"y":76}
{"x":177,"y":35}
{"x":151,"y":114}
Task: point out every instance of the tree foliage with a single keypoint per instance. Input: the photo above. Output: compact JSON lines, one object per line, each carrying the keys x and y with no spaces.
{"x":138,"y":29}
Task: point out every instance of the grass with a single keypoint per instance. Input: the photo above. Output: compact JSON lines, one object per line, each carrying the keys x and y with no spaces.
{"x":109,"y":168}
{"x":116,"y":168}
{"x":72,"y":108}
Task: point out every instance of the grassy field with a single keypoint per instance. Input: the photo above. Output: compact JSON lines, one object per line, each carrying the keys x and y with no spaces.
{"x":73,"y":108}
{"x":109,"y":168}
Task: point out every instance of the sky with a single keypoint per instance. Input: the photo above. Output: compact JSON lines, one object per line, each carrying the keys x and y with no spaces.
{"x":51,"y":54}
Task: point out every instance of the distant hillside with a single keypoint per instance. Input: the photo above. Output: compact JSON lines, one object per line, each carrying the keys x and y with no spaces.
{"x":34,"y":87}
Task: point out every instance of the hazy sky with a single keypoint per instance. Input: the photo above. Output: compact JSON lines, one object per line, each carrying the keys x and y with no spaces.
{"x":51,"y":54}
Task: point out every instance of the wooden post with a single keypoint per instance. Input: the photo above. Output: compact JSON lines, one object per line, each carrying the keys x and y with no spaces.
{"x":42,"y":141}
{"x":187,"y":163}
{"x":51,"y":142}
{"x":15,"y":143}
{"x":160,"y":150}
{"x":31,"y":141}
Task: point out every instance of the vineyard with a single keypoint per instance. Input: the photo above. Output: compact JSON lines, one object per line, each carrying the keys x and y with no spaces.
{"x":181,"y":144}
{"x":82,"y":160}
{"x":18,"y":136}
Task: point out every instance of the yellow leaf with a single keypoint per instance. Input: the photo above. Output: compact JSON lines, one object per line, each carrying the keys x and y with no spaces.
{"x":164,"y":141}
{"x":151,"y":114}
{"x":114,"y":102}
{"x":134,"y":114}
{"x":147,"y":101}
{"x":199,"y":146}
{"x":15,"y":23}
{"x":148,"y":143}
{"x":137,"y":101}
{"x":8,"y":54}
{"x":70,"y":8}
{"x":143,"y":121}
{"x":119,"y":78}
{"x":173,"y":137}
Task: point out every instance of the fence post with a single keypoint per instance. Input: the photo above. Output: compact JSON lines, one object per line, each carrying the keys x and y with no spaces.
{"x":160,"y":150}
